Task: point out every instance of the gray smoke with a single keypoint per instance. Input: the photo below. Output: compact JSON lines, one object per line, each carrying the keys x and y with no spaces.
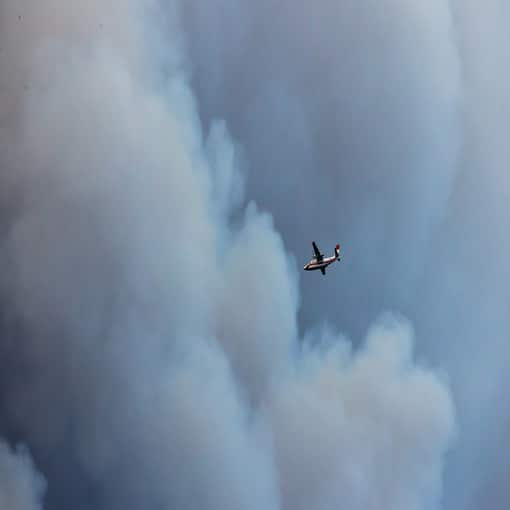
{"x":364,"y":430}
{"x":349,"y":114}
{"x":151,"y":354}
{"x":383,"y":125}
{"x":21,"y":486}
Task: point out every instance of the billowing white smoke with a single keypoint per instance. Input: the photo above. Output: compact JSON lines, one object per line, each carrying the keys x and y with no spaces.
{"x":21,"y":486}
{"x":152,"y":357}
{"x":362,"y":431}
{"x":386,"y":123}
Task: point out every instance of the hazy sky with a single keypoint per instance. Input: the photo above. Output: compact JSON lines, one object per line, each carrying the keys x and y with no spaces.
{"x":383,"y":125}
{"x":164,"y":167}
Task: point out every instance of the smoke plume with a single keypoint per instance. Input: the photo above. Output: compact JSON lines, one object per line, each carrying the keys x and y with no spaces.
{"x":21,"y":486}
{"x":383,"y":125}
{"x":151,"y":352}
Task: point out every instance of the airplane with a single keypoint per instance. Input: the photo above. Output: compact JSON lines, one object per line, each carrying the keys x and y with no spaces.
{"x":321,"y":262}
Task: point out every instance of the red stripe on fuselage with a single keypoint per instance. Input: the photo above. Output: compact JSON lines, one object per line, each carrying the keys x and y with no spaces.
{"x":319,"y":265}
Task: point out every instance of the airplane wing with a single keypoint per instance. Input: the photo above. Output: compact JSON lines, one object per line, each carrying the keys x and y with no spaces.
{"x":318,"y":254}
{"x":323,"y":270}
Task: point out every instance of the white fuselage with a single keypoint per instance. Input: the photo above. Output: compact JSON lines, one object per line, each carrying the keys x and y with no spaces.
{"x":314,"y":264}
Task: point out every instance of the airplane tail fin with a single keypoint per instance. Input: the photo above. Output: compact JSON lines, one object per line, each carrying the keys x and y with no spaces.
{"x":337,"y":252}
